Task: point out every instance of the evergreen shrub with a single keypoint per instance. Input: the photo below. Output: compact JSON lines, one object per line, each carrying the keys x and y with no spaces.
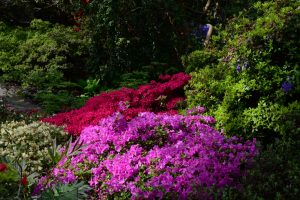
{"x":251,"y":86}
{"x":248,"y":77}
{"x":42,"y":58}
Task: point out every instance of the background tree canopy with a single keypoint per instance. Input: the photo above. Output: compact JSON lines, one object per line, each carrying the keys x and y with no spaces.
{"x":21,"y":12}
{"x":129,"y":35}
{"x":141,"y":38}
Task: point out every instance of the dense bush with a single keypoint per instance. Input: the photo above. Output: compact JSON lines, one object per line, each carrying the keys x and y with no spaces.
{"x":275,"y":174}
{"x":40,"y":55}
{"x":128,"y":35}
{"x":42,"y":58}
{"x":124,"y":42}
{"x":155,"y":157}
{"x":21,"y":142}
{"x":248,"y":77}
{"x":160,"y":96}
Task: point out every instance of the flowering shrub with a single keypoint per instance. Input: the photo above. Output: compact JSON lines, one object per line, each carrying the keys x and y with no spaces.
{"x":28,"y":142}
{"x":156,"y":97}
{"x":155,"y":156}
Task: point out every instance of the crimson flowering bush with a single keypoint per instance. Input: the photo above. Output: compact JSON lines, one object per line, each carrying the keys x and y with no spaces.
{"x":155,"y":157}
{"x":159,"y":96}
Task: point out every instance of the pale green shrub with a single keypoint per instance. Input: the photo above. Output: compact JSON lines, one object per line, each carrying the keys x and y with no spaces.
{"x":21,"y":142}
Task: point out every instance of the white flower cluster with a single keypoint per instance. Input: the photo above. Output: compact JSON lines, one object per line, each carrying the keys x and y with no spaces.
{"x":28,"y":142}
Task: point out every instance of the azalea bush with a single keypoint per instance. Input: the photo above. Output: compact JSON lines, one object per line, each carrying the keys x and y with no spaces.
{"x":161,"y":96}
{"x":155,"y":156}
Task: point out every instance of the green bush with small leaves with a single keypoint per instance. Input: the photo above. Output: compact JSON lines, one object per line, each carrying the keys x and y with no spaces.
{"x":248,"y":77}
{"x":43,"y":57}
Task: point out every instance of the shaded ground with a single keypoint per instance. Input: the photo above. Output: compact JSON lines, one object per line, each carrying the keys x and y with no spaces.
{"x":13,"y":102}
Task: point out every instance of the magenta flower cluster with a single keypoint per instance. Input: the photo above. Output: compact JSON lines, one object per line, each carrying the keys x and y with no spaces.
{"x":159,"y":97}
{"x":156,"y":157}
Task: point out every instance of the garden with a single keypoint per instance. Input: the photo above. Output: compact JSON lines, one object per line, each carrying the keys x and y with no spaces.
{"x":149,"y":99}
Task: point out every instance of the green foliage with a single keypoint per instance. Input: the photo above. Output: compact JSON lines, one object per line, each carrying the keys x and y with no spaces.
{"x":8,"y":183}
{"x":275,"y":174}
{"x":9,"y":175}
{"x":282,"y":119}
{"x":77,"y":190}
{"x":144,"y":75}
{"x":198,"y":59}
{"x":92,"y":87}
{"x":57,"y":152}
{"x":43,"y":58}
{"x":127,"y":35}
{"x":40,"y":55}
{"x":15,"y":181}
{"x":60,"y":101}
{"x":134,"y":79}
{"x":248,"y":76}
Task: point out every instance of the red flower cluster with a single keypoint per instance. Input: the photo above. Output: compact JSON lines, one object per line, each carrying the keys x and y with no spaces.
{"x":3,"y":167}
{"x":158,"y":97}
{"x":24,"y":181}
